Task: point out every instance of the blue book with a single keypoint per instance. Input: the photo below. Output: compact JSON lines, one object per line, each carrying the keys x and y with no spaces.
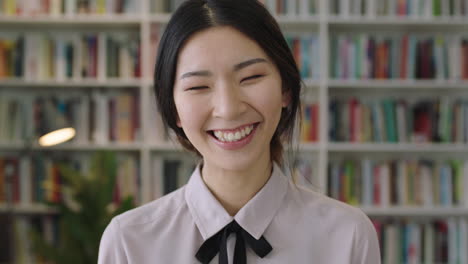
{"x":390,"y":121}
{"x":305,"y":46}
{"x":375,"y":123}
{"x":412,"y":43}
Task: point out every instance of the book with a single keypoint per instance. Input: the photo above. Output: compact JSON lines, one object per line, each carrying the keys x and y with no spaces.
{"x":439,"y":57}
{"x":401,"y":182}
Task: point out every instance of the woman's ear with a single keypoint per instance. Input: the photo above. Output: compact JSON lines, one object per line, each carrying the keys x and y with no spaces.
{"x":286,"y":99}
{"x":178,"y":121}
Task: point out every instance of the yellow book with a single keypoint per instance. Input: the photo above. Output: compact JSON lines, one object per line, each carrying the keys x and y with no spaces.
{"x":101,"y":7}
{"x":10,"y":7}
{"x":124,"y":117}
{"x":306,"y":123}
{"x":3,"y":62}
{"x":8,"y":46}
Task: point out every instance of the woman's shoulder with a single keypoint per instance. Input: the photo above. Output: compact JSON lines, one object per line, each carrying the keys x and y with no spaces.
{"x":161,"y":209}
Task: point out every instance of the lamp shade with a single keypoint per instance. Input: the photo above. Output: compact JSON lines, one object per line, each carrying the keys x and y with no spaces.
{"x":57,"y":136}
{"x":56,"y":127}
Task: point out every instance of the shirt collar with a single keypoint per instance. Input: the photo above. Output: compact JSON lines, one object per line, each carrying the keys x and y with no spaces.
{"x":254,"y":217}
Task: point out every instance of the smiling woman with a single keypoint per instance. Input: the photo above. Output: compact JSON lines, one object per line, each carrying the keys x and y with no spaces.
{"x":227,"y":84}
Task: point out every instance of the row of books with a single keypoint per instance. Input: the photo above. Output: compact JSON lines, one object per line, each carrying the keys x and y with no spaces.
{"x":306,"y":51}
{"x":16,"y":243}
{"x":291,"y":7}
{"x":442,"y":119}
{"x":38,"y":179}
{"x":395,"y":56}
{"x":165,"y":6}
{"x":440,"y":241}
{"x":63,"y":56}
{"x":276,"y":7}
{"x":97,"y":116}
{"x":410,"y":8}
{"x":401,"y":182}
{"x":68,"y":7}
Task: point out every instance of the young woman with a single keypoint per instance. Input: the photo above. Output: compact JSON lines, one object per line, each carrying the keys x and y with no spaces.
{"x":226,"y":83}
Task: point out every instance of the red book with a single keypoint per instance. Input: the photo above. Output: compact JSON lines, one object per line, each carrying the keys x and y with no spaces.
{"x":464,"y":62}
{"x":380,"y":68}
{"x":297,"y":51}
{"x":376,"y":187}
{"x":314,"y":122}
{"x":11,"y":173}
{"x":135,"y":119}
{"x":353,"y":112}
{"x":422,"y":124}
{"x":425,"y":60}
{"x":45,"y":6}
{"x":279,"y":7}
{"x":55,"y":190}
{"x":404,"y":57}
{"x":137,"y":72}
{"x":112,"y":119}
{"x":386,"y":60}
{"x":401,"y":7}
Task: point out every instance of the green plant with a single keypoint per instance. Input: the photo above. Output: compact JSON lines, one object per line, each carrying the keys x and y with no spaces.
{"x":84,"y":212}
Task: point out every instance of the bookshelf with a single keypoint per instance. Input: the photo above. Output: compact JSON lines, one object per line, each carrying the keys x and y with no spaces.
{"x":324,"y":20}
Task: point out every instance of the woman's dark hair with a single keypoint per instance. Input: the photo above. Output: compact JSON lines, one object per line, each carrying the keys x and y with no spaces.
{"x":252,"y":19}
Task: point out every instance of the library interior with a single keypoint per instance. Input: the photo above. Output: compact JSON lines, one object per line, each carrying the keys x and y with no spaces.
{"x":384,"y":120}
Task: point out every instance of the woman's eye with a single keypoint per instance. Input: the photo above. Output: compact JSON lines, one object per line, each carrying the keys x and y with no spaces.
{"x":252,"y":77}
{"x":196,"y":88}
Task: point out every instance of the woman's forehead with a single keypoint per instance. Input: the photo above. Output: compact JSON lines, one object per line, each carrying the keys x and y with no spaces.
{"x":218,"y":45}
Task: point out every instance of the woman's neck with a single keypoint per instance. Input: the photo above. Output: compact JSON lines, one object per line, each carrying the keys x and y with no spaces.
{"x":234,"y":189}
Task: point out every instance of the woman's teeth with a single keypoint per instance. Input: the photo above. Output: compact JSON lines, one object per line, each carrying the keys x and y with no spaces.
{"x":233,"y":135}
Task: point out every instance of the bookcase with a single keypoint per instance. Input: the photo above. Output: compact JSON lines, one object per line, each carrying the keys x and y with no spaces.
{"x":385,"y":106}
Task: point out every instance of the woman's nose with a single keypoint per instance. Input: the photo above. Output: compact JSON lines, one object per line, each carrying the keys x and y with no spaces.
{"x":228,"y":102}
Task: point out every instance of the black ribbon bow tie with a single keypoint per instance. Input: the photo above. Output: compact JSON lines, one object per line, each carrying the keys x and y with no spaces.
{"x":217,"y":243}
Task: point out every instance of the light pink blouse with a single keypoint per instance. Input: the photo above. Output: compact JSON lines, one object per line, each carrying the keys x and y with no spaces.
{"x":302,"y":227}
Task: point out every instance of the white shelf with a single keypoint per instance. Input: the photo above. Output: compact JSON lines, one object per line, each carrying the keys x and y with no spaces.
{"x":112,"y":20}
{"x":398,"y":147}
{"x":165,"y":146}
{"x":27,"y":209}
{"x":416,"y":211}
{"x":309,"y":147}
{"x":398,"y":20}
{"x":311,"y":83}
{"x":160,"y":18}
{"x":282,"y":20}
{"x":85,"y":83}
{"x":74,"y":147}
{"x":398,"y":84}
{"x":298,"y":20}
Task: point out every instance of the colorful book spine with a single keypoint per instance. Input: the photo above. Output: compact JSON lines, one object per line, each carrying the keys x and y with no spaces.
{"x":422,"y":241}
{"x":398,"y":120}
{"x":398,"y":182}
{"x":408,"y":56}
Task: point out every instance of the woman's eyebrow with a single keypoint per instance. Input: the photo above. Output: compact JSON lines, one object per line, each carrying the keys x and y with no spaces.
{"x":196,"y":73}
{"x":246,"y":63}
{"x":237,"y":67}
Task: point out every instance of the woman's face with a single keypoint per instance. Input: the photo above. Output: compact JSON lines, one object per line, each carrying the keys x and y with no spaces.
{"x":228,"y":98}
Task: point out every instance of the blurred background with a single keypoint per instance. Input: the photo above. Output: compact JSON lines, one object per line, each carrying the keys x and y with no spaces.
{"x":385,"y":120}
